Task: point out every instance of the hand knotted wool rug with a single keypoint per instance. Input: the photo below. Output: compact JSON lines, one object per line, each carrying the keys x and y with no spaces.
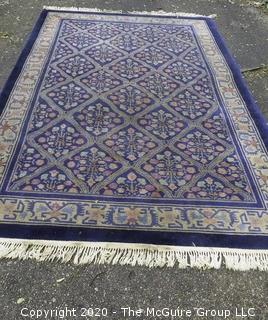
{"x":131,"y":139}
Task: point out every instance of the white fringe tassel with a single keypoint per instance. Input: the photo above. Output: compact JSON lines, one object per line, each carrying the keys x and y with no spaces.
{"x":159,"y":12}
{"x":134,"y":254}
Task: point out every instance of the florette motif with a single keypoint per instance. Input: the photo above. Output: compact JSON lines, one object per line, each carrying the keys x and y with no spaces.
{"x":159,"y":85}
{"x":153,"y":56}
{"x":43,"y":115}
{"x":29,"y":161}
{"x":62,"y":50}
{"x":52,"y":180}
{"x":101,"y":81}
{"x":92,"y":166}
{"x":161,"y":123}
{"x":204,"y":87}
{"x":129,"y":69}
{"x":104,"y":31}
{"x":212,"y":188}
{"x":98,"y":118}
{"x":170,"y":170}
{"x":52,"y":78}
{"x":190,"y":105}
{"x":216,"y":124}
{"x":127,"y":42}
{"x":149,"y":34}
{"x":81,"y":40}
{"x":194,"y":56}
{"x":60,"y":139}
{"x":130,"y":99}
{"x":75,"y":66}
{"x":200,"y":147}
{"x":130,"y":144}
{"x":103,"y":53}
{"x":173,"y":45}
{"x":69,"y":96}
{"x":67,"y":29}
{"x":131,"y":184}
{"x":181,"y":71}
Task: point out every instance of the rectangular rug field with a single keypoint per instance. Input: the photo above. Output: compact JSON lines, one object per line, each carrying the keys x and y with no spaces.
{"x":131,"y":139}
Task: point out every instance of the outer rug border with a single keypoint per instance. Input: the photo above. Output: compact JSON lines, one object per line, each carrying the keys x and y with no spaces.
{"x":243,"y":259}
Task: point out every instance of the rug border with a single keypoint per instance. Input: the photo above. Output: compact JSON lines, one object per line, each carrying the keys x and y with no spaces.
{"x":179,"y":238}
{"x":252,"y":106}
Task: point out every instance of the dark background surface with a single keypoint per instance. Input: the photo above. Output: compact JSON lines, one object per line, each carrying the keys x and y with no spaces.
{"x":244,"y":25}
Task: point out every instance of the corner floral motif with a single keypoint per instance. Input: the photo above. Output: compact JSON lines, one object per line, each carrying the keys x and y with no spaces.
{"x":214,"y":189}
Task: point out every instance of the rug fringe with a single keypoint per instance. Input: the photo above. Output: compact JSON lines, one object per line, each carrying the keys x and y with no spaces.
{"x":134,"y":254}
{"x":159,"y":12}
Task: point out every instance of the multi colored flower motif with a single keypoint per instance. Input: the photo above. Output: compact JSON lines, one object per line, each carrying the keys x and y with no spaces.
{"x":43,"y":114}
{"x":194,"y":56}
{"x":98,"y":118}
{"x":231,"y":169}
{"x":60,"y":139}
{"x":104,"y":31}
{"x":204,"y":87}
{"x":212,"y":188}
{"x":148,"y":33}
{"x":92,"y":166}
{"x":170,"y":170}
{"x":61,"y":50}
{"x":182,"y":71}
{"x":159,"y":85}
{"x":173,"y":45}
{"x":131,"y":184}
{"x":200,"y":147}
{"x":52,"y":78}
{"x":69,"y":96}
{"x":81,"y":40}
{"x":190,"y":105}
{"x":52,"y":180}
{"x":75,"y":66}
{"x":103,"y":53}
{"x":127,"y":42}
{"x":101,"y":81}
{"x":130,"y":144}
{"x":129,"y":69}
{"x":161,"y":123}
{"x":130,"y":99}
{"x":216,"y":124}
{"x":29,"y":161}
{"x":153,"y":56}
{"x":67,"y":29}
